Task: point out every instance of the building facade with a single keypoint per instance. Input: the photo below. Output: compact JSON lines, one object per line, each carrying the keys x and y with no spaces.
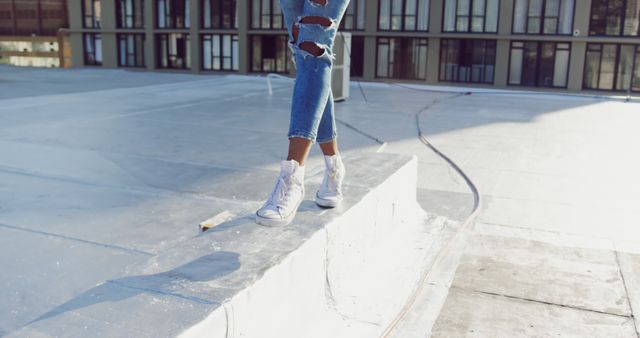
{"x":32,"y":33}
{"x":556,"y":44}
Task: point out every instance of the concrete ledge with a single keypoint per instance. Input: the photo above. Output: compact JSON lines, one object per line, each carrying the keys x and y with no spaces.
{"x":340,"y":272}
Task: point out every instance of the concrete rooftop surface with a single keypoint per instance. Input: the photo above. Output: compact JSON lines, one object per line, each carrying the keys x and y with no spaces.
{"x":105,"y":175}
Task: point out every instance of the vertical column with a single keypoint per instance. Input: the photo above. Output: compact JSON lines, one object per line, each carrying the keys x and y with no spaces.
{"x":109,"y":43}
{"x":433,"y":51}
{"x":244,"y":43}
{"x":370,"y":49}
{"x":149,"y":27}
{"x":576,"y":65}
{"x":76,"y":17}
{"x":505,"y":17}
{"x":77,"y":52}
{"x":579,"y":48}
{"x":503,"y":45}
{"x":581,"y":17}
{"x":194,"y":36}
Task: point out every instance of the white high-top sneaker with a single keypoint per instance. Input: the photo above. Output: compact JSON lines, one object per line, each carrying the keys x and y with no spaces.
{"x":281,"y":206}
{"x":329,"y":194}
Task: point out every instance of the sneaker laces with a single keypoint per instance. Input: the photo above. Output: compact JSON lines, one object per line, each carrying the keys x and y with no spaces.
{"x":279,"y":192}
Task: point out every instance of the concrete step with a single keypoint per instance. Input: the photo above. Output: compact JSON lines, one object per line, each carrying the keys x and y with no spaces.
{"x":343,"y":272}
{"x":515,"y":282}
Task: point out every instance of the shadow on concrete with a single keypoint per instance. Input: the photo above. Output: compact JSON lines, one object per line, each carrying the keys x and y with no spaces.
{"x":203,"y":269}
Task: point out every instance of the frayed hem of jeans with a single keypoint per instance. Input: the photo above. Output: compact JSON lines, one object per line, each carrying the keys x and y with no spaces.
{"x":335,"y":136}
{"x":305,"y":136}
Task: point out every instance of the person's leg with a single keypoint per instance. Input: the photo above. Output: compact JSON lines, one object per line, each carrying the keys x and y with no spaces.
{"x":313,"y":35}
{"x":327,"y":131}
{"x":329,"y":194}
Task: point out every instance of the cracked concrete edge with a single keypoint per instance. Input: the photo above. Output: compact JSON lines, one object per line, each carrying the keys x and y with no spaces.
{"x":629,"y":268}
{"x":431,"y":298}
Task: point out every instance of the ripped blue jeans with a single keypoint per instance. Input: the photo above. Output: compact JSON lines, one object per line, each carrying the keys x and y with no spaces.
{"x":312,"y":26}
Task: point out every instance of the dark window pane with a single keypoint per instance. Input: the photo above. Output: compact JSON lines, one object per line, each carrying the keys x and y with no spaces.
{"x":530,"y":64}
{"x":471,"y":16}
{"x":357,"y":56}
{"x":541,"y":64}
{"x":402,"y":58}
{"x":266,"y":14}
{"x":592,"y":66}
{"x":467,"y":60}
{"x":625,"y":67}
{"x":219,"y":46}
{"x":632,"y":18}
{"x":614,"y":17}
{"x":636,"y":72}
{"x":607,"y":66}
{"x":547,"y":62}
{"x":173,"y":51}
{"x":270,"y":53}
{"x":407,"y":15}
{"x":598,"y":24}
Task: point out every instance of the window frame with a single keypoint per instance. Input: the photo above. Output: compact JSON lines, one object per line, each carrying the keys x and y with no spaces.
{"x":470,"y":19}
{"x":636,"y":62}
{"x":426,"y":64}
{"x":96,"y":23}
{"x":404,"y":17}
{"x":287,"y":63}
{"x":271,"y":16}
{"x":356,"y":4}
{"x":234,"y":14}
{"x":210,"y":36}
{"x":538,"y":58}
{"x":159,"y":54}
{"x":121,"y":15}
{"x":170,"y":19}
{"x":94,"y":35}
{"x":119,"y":36}
{"x":442,"y":50}
{"x":623,"y":18}
{"x":542,"y":20}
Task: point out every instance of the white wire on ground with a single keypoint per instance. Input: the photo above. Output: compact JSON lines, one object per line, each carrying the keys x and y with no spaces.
{"x":275,"y":76}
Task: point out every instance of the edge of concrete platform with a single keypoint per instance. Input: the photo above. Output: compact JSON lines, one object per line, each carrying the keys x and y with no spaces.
{"x":350,"y":269}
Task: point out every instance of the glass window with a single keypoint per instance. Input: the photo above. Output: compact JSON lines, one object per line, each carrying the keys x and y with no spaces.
{"x":219,"y":14}
{"x":266,"y":14}
{"x":402,"y":58}
{"x":131,"y":50}
{"x":404,"y":15}
{"x":92,"y":49}
{"x":477,"y":16}
{"x":220,"y":52}
{"x":612,"y":67}
{"x":6,"y":18}
{"x":130,"y":13}
{"x":467,"y":60}
{"x":539,"y":64}
{"x":52,"y":15}
{"x":270,"y":54}
{"x":550,"y":17}
{"x":173,"y":13}
{"x":356,"y":52}
{"x":615,"y":17}
{"x":91,"y":13}
{"x":173,"y":51}
{"x":353,"y":18}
